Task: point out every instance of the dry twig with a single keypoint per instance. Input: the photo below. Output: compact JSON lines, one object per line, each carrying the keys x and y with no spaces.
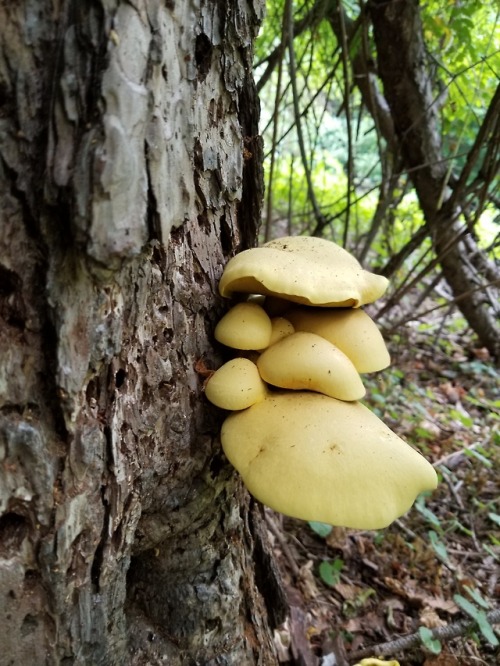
{"x":442,"y":633}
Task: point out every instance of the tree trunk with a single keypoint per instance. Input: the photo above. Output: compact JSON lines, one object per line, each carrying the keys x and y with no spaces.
{"x":402,"y":66}
{"x":130,"y":172}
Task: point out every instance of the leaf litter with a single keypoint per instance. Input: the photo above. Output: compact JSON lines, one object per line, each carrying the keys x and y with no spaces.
{"x":352,"y":590}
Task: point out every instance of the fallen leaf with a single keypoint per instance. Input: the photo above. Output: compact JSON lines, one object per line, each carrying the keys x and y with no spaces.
{"x":300,"y":632}
{"x":348,"y":592}
{"x":306,"y":581}
{"x":371,"y":622}
{"x":430,"y":619}
{"x":282,"y":642}
{"x":442,"y":659}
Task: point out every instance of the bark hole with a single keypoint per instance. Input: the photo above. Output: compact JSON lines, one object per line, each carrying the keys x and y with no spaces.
{"x":203,"y":55}
{"x":29,"y":625}
{"x":226,"y":237}
{"x":13,"y":530}
{"x":12,"y":308}
{"x":120,"y":378}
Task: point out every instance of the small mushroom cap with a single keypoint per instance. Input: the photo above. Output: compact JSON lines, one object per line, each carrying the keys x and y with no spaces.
{"x":245,"y":326}
{"x":303,"y":269}
{"x":307,"y":361}
{"x":316,"y":458}
{"x":352,"y":331}
{"x":281,"y":328}
{"x":236,"y":385}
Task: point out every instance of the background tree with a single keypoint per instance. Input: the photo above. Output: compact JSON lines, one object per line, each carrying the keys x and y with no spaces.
{"x":130,"y":172}
{"x":400,"y":100}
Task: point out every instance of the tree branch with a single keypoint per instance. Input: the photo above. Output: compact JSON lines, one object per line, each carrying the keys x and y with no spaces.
{"x":442,"y":633}
{"x":473,"y":155}
{"x":320,"y":219}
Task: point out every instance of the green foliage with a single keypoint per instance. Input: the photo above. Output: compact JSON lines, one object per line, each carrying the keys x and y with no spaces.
{"x":432,"y":644}
{"x":321,"y":529}
{"x":495,"y":518}
{"x":482,"y":456}
{"x":438,"y":546}
{"x":464,"y":66}
{"x":479,"y":616}
{"x":429,"y":515}
{"x":330,"y":570}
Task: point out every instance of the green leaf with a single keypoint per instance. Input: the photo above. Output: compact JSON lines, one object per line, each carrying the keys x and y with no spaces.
{"x":472,"y":453}
{"x":466,"y":606}
{"x":494,"y":517}
{"x":487,"y":630}
{"x":432,"y":644}
{"x":477,"y":596}
{"x":479,"y":616}
{"x":321,"y":529}
{"x":464,"y":419}
{"x":428,"y":514}
{"x":438,"y":546}
{"x":330,"y":571}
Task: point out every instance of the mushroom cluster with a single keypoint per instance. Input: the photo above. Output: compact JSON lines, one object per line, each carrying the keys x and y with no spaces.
{"x":298,"y":436}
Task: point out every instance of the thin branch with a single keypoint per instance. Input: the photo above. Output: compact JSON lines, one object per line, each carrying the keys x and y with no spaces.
{"x":442,"y":633}
{"x":457,"y":299}
{"x":473,"y":154}
{"x":328,"y":80}
{"x":347,"y":102}
{"x":320,"y":220}
{"x":310,"y":20}
{"x":269,"y":207}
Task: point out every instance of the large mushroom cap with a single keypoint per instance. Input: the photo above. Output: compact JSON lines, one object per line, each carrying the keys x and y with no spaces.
{"x":303,"y":269}
{"x":317,"y":458}
{"x":352,"y":331}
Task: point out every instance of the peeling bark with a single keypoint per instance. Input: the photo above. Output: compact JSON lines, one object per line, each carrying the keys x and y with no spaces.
{"x":130,"y":171}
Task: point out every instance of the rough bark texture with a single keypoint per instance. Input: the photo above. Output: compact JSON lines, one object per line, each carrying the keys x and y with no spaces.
{"x":130,"y":171}
{"x":402,"y":65}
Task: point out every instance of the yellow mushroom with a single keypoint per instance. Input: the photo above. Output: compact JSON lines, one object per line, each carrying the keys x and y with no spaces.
{"x":352,"y":331}
{"x":307,"y":361}
{"x":316,"y":458}
{"x":236,"y":385}
{"x":245,"y":326}
{"x":281,"y":328}
{"x":303,"y":269}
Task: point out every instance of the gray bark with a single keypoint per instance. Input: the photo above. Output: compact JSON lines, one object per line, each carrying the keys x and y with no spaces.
{"x":130,"y":171}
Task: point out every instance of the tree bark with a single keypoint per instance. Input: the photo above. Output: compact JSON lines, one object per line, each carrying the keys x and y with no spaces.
{"x":130,"y":172}
{"x":402,"y":66}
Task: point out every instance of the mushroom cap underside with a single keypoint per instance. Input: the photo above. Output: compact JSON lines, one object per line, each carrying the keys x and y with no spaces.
{"x":302,"y":269}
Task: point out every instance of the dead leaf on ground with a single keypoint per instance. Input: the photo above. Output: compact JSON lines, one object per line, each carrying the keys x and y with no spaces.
{"x":348,"y":592}
{"x":430,"y":619}
{"x":307,"y":581}
{"x":369,"y":623}
{"x":443,"y":659}
{"x":300,"y":633}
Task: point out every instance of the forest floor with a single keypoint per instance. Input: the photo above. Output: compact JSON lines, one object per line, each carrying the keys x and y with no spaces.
{"x":436,"y":570}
